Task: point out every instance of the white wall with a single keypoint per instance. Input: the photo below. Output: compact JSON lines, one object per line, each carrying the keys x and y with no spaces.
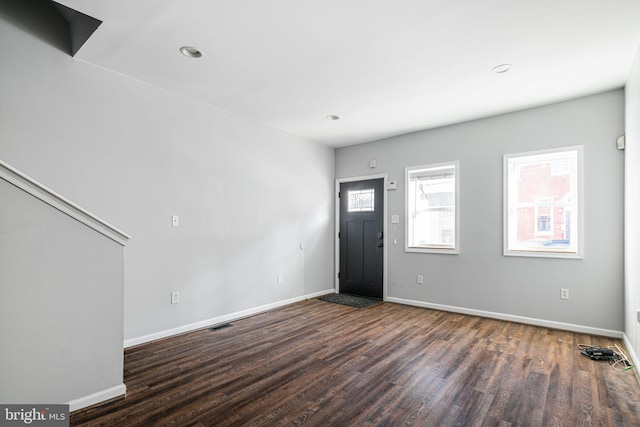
{"x":480,"y":278}
{"x":632,"y":206}
{"x":61,"y":311}
{"x":247,"y":195}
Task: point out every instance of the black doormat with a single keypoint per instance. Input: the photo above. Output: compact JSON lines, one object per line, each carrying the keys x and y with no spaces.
{"x":350,"y":300}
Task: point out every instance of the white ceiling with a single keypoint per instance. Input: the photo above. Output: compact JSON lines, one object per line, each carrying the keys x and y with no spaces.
{"x":385,"y":67}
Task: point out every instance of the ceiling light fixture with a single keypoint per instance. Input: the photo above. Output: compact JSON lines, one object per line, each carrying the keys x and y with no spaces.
{"x":501,"y":69}
{"x":333,"y":117}
{"x":190,"y":52}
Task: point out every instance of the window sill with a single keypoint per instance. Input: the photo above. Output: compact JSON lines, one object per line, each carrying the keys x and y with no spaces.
{"x":541,"y":254}
{"x":448,"y":251}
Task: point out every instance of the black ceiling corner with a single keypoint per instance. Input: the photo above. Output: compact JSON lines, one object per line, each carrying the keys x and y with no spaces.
{"x":81,"y":26}
{"x":57,"y":25}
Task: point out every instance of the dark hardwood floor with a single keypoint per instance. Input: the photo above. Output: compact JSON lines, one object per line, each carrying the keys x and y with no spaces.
{"x":315,"y":363}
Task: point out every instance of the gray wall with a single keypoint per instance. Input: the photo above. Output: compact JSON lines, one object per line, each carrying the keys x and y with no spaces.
{"x":61,"y":311}
{"x":247,"y":195}
{"x":480,"y":277}
{"x":632,"y":206}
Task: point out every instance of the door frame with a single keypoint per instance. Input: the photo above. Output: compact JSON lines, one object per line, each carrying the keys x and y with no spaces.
{"x":339,"y":181}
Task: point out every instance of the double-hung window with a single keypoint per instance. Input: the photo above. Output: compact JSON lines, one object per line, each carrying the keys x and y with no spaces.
{"x":432,"y":208}
{"x":542,"y":203}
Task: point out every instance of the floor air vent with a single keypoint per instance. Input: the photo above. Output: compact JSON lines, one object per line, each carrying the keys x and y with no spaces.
{"x":218,"y":327}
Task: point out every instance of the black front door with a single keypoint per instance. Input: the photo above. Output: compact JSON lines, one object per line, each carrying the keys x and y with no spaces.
{"x":361,"y":238}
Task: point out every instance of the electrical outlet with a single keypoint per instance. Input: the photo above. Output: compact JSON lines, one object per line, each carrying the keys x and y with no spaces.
{"x":175,"y":297}
{"x":564,"y":293}
{"x":280,"y":278}
{"x":420,"y":279}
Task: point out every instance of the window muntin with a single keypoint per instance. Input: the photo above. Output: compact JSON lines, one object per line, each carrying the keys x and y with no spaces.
{"x":361,"y":200}
{"x":431,"y":204}
{"x":542,"y":202}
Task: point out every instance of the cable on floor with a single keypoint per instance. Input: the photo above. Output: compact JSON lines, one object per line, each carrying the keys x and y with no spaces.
{"x":618,"y":358}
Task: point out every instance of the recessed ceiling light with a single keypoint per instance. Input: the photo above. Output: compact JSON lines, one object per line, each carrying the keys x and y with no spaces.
{"x":501,"y":69}
{"x":190,"y":52}
{"x":333,"y":117}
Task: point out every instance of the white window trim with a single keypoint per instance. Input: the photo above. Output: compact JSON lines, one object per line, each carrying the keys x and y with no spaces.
{"x":433,"y":249}
{"x":579,"y":254}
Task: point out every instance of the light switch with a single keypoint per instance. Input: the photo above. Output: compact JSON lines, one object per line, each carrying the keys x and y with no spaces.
{"x":395,"y":219}
{"x":175,"y":220}
{"x":175,"y":297}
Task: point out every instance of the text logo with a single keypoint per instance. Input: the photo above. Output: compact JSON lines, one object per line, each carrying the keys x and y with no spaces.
{"x":34,"y":415}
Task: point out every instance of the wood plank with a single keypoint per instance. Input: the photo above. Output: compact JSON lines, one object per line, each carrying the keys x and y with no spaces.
{"x":316,"y":363}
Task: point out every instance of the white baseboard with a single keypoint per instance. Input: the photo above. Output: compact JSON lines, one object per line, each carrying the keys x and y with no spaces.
{"x":632,"y":355}
{"x":220,"y":319}
{"x":100,"y":396}
{"x":511,"y":318}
